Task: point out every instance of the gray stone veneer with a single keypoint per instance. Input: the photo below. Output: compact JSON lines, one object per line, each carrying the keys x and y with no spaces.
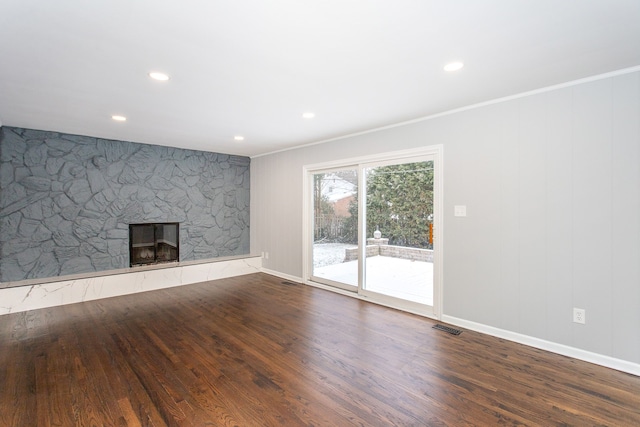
{"x":66,"y":201}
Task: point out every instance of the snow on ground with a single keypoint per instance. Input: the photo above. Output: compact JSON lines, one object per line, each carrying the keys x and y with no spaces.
{"x":329,"y":253}
{"x":400,"y":278}
{"x":396,"y":277}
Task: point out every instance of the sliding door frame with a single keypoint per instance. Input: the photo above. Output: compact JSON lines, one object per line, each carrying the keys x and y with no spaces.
{"x":310,"y":276}
{"x":365,"y":291}
{"x":436,"y":152}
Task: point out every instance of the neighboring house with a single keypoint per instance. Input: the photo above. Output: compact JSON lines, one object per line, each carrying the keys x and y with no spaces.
{"x":336,"y":195}
{"x":339,"y":193}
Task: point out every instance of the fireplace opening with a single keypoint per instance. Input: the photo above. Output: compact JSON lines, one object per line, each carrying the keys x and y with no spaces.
{"x":154,"y":243}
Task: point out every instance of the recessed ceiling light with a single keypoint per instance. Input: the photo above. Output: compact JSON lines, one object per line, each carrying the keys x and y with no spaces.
{"x":308,"y":115}
{"x":453,"y":66}
{"x":239,"y":138}
{"x":119,"y":118}
{"x":158,"y":76}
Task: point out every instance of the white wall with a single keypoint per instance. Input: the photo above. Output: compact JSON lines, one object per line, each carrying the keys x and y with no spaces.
{"x":552,"y":186}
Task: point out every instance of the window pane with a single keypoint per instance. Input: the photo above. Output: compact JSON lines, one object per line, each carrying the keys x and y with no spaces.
{"x":335,"y":236}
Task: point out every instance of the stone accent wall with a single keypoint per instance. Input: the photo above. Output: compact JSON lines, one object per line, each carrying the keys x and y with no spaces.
{"x":66,"y":201}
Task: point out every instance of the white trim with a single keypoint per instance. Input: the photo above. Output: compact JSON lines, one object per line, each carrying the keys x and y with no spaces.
{"x":281,"y":275}
{"x":574,"y":353}
{"x":427,"y":150}
{"x":438,"y":233}
{"x":565,"y":350}
{"x":329,"y":282}
{"x":307,"y":222}
{"x":434,"y":152}
{"x":398,"y":303}
{"x":461,"y":109}
{"x":344,"y":292}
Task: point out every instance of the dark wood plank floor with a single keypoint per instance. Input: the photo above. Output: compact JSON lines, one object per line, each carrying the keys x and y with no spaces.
{"x":252,"y":351}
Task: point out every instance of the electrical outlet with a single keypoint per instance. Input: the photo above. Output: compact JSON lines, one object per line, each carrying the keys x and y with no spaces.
{"x":266,"y":255}
{"x":579,"y":315}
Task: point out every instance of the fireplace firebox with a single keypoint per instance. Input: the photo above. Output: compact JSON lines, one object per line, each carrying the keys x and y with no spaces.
{"x":154,"y":243}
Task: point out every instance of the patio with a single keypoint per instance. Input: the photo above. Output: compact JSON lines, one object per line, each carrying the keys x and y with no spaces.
{"x":396,"y":277}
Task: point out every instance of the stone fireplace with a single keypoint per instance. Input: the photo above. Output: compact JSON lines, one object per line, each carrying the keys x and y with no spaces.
{"x":66,"y":203}
{"x":154,"y":243}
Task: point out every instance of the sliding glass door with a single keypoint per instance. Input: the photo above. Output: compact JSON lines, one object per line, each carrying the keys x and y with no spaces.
{"x":335,"y":227}
{"x":398,"y":200}
{"x":374,"y":229}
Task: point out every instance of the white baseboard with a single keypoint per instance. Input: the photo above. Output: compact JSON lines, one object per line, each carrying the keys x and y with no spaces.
{"x":282,"y":275}
{"x":576,"y":353}
{"x":313,"y":284}
{"x":344,"y":292}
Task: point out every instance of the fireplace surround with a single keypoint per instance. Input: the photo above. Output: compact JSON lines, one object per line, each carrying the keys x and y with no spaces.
{"x":154,"y":243}
{"x":66,"y":202}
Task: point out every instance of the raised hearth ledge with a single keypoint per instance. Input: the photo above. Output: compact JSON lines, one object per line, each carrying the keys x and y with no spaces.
{"x":135,"y":269}
{"x":23,"y":296}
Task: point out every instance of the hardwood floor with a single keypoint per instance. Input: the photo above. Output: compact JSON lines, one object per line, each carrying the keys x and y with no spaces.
{"x":252,"y":351}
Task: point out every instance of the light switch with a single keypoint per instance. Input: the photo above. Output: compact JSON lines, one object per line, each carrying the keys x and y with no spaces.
{"x":460,"y":210}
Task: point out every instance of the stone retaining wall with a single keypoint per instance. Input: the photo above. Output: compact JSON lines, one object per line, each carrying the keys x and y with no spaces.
{"x":66,"y":201}
{"x":414,"y":254}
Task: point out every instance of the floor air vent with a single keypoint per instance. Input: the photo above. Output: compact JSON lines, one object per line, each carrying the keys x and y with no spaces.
{"x":452,"y":331}
{"x":286,"y":282}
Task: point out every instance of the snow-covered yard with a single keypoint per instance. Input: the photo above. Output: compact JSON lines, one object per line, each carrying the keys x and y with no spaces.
{"x":329,"y":253}
{"x":401,"y":278}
